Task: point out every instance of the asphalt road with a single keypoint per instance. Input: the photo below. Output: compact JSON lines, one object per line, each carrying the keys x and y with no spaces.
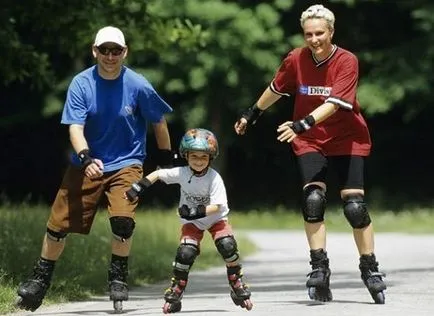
{"x":276,"y":275}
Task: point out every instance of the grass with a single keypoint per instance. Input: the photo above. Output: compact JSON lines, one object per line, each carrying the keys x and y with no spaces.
{"x":412,"y":221}
{"x":82,"y":269}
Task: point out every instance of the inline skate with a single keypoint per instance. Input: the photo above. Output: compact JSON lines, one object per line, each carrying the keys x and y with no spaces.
{"x":318,"y":284}
{"x":118,"y":287}
{"x":372,"y":278}
{"x":173,"y":296}
{"x":32,"y":292}
{"x":240,"y":292}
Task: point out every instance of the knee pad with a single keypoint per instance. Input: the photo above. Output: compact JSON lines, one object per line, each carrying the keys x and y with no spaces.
{"x":186,"y":255}
{"x":122,"y":227}
{"x":355,"y":211}
{"x":56,"y":236}
{"x":314,"y":204}
{"x":227,"y":247}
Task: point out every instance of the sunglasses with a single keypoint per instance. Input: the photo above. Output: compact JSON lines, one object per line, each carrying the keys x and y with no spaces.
{"x":105,"y":50}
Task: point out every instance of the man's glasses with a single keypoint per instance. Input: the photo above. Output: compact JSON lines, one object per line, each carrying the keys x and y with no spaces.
{"x":105,"y":50}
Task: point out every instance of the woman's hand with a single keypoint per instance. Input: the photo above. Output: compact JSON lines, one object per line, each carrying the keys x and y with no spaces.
{"x":287,"y":134}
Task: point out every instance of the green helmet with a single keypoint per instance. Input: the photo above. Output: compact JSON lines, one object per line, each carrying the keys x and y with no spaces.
{"x":199,"y":139}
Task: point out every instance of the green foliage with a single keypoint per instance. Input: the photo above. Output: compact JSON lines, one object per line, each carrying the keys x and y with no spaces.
{"x":208,"y":45}
{"x":33,"y":41}
{"x":244,"y":45}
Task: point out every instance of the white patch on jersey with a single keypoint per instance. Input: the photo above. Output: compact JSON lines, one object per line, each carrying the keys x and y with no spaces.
{"x":314,"y":90}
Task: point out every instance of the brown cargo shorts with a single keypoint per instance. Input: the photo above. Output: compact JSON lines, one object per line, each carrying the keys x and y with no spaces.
{"x":76,"y":203}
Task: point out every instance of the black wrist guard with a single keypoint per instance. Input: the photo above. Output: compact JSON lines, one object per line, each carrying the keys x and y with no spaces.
{"x":192,"y":213}
{"x":201,"y":211}
{"x":84,"y":158}
{"x":303,"y":125}
{"x":165,"y":158}
{"x":137,"y":189}
{"x":252,"y":114}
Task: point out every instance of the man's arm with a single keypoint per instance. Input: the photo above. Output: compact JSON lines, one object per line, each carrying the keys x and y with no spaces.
{"x":76,"y":136}
{"x":164,"y":155}
{"x":92,"y":167}
{"x":162,"y":134}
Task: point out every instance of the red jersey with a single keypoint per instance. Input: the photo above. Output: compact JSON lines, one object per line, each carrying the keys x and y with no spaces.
{"x":313,"y":83}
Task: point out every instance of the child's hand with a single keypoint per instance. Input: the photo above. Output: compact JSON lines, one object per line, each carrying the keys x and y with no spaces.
{"x":137,"y":189}
{"x":192,"y":213}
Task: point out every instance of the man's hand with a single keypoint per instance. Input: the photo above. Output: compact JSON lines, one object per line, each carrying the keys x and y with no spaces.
{"x":192,"y":213}
{"x":165,"y":158}
{"x":93,"y":168}
{"x":137,"y":189}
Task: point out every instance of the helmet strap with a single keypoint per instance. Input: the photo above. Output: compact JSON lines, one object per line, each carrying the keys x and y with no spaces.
{"x":195,"y":173}
{"x":199,"y":173}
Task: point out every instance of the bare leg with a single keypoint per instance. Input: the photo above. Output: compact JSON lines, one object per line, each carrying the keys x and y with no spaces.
{"x":316,"y":235}
{"x":51,"y":250}
{"x":121,"y":249}
{"x":364,"y":239}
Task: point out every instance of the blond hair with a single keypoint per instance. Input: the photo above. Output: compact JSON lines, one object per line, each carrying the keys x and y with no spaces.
{"x":318,"y":11}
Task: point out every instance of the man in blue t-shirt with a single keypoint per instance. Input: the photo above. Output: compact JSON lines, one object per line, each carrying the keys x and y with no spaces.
{"x":108,"y":107}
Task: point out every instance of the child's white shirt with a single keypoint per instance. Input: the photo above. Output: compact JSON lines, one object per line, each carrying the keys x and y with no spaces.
{"x":208,"y":189}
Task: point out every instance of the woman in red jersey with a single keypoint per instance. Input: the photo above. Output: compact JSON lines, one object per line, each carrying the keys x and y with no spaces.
{"x":327,"y":130}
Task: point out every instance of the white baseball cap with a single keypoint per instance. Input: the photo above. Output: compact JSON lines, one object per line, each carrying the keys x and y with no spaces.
{"x":110,"y":34}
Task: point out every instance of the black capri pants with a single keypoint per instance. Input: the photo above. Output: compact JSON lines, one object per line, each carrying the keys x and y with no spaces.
{"x":349,"y":169}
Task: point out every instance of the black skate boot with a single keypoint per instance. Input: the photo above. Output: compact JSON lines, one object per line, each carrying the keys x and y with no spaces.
{"x":372,"y":278}
{"x":117,"y":279}
{"x":32,"y":291}
{"x":318,"y":284}
{"x":173,"y":296}
{"x":240,"y":292}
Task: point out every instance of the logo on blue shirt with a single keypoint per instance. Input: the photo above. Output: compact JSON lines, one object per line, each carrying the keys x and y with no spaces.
{"x":129,"y":109}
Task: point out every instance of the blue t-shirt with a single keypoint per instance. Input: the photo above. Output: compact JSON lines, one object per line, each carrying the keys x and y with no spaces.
{"x":114,"y":114}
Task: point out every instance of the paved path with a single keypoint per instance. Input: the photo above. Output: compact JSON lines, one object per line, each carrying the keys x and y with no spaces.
{"x":276,"y":275}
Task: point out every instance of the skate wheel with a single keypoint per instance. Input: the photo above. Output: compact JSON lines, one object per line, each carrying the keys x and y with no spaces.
{"x":247,"y":304}
{"x":320,"y":294}
{"x":22,"y":303}
{"x":117,"y":305}
{"x":18,"y":301}
{"x":236,"y":300}
{"x":379,"y":298}
{"x":169,"y":308}
{"x":243,"y":303}
{"x":311,"y":292}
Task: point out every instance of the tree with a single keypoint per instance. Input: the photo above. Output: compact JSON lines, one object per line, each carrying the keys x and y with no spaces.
{"x":45,"y":42}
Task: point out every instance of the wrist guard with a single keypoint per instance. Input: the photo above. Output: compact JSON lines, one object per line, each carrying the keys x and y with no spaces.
{"x":252,"y":114}
{"x":303,"y":125}
{"x":165,"y":158}
{"x":84,"y":158}
{"x":192,"y":213}
{"x":137,"y":189}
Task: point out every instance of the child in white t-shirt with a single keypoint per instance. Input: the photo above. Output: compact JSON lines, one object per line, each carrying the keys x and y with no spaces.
{"x":202,"y":206}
